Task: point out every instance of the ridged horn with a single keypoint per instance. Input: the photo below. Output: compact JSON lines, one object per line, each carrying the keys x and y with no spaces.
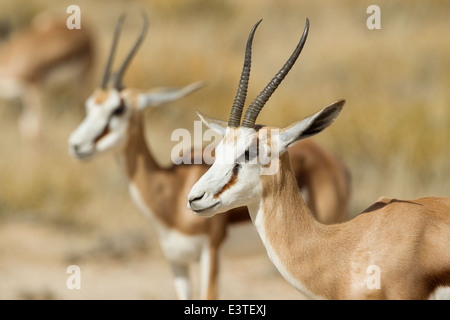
{"x":239,"y":101}
{"x":129,"y":57}
{"x":107,"y":72}
{"x":255,"y":107}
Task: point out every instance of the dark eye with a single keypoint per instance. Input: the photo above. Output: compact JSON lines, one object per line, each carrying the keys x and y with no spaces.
{"x":119,"y":110}
{"x":246,"y":156}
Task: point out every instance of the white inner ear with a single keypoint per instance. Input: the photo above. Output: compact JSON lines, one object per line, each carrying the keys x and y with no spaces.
{"x":218,"y":126}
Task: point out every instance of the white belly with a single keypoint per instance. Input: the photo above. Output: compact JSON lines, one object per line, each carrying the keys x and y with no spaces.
{"x":179,"y":247}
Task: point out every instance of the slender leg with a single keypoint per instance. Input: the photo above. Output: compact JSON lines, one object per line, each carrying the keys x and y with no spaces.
{"x":209,"y":271}
{"x":182,"y":283}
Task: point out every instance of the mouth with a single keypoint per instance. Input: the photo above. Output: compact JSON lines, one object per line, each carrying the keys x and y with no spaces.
{"x":202,"y":211}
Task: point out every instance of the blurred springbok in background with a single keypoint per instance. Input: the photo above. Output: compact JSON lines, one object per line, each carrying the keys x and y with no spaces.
{"x":115,"y":122}
{"x":46,"y":49}
{"x":396,"y":249}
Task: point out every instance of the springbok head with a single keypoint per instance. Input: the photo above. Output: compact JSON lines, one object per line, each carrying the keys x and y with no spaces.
{"x":111,"y":105}
{"x":233,"y":179}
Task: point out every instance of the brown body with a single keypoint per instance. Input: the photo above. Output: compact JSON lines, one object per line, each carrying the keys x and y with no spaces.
{"x":407,"y":240}
{"x":33,"y":55}
{"x":164,"y":191}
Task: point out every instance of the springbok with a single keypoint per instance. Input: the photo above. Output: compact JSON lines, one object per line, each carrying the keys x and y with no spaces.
{"x":396,"y":249}
{"x":114,"y":121}
{"x":32,"y":56}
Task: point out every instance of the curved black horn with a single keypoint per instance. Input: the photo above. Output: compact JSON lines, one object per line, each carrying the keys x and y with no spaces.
{"x":255,"y":107}
{"x":112,"y":51}
{"x":239,"y":101}
{"x":126,"y":62}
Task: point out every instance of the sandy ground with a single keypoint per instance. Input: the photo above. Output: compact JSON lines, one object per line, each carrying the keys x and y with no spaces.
{"x":35,"y":256}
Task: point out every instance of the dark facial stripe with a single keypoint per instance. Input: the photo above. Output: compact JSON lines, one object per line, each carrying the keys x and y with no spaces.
{"x":117,"y":112}
{"x":104,"y":133}
{"x":231,"y":182}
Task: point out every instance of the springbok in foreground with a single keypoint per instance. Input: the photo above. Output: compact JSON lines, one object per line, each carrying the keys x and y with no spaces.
{"x":396,"y":249}
{"x":27,"y":60}
{"x":114,"y":121}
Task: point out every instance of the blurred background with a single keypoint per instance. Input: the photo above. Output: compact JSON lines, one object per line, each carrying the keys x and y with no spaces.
{"x":392,"y":134}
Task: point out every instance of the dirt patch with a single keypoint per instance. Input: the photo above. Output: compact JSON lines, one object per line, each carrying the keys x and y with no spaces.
{"x":35,"y":256}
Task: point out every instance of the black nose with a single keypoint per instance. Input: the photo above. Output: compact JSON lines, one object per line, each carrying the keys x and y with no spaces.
{"x":196,"y":198}
{"x":75,"y":148}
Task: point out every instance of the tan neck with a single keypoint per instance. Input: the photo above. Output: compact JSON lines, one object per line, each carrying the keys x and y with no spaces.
{"x":139,"y":162}
{"x":143,"y":172}
{"x":158,"y":191}
{"x":295,"y":241}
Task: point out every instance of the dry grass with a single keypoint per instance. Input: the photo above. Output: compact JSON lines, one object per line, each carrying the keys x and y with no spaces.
{"x":393,"y":133}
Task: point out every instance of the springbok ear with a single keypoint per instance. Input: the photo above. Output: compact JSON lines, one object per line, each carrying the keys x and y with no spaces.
{"x":309,"y":126}
{"x":162,"y":95}
{"x":218,"y":126}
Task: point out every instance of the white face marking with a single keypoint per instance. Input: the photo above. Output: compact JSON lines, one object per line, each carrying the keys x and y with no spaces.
{"x":231,"y":181}
{"x":105,"y":126}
